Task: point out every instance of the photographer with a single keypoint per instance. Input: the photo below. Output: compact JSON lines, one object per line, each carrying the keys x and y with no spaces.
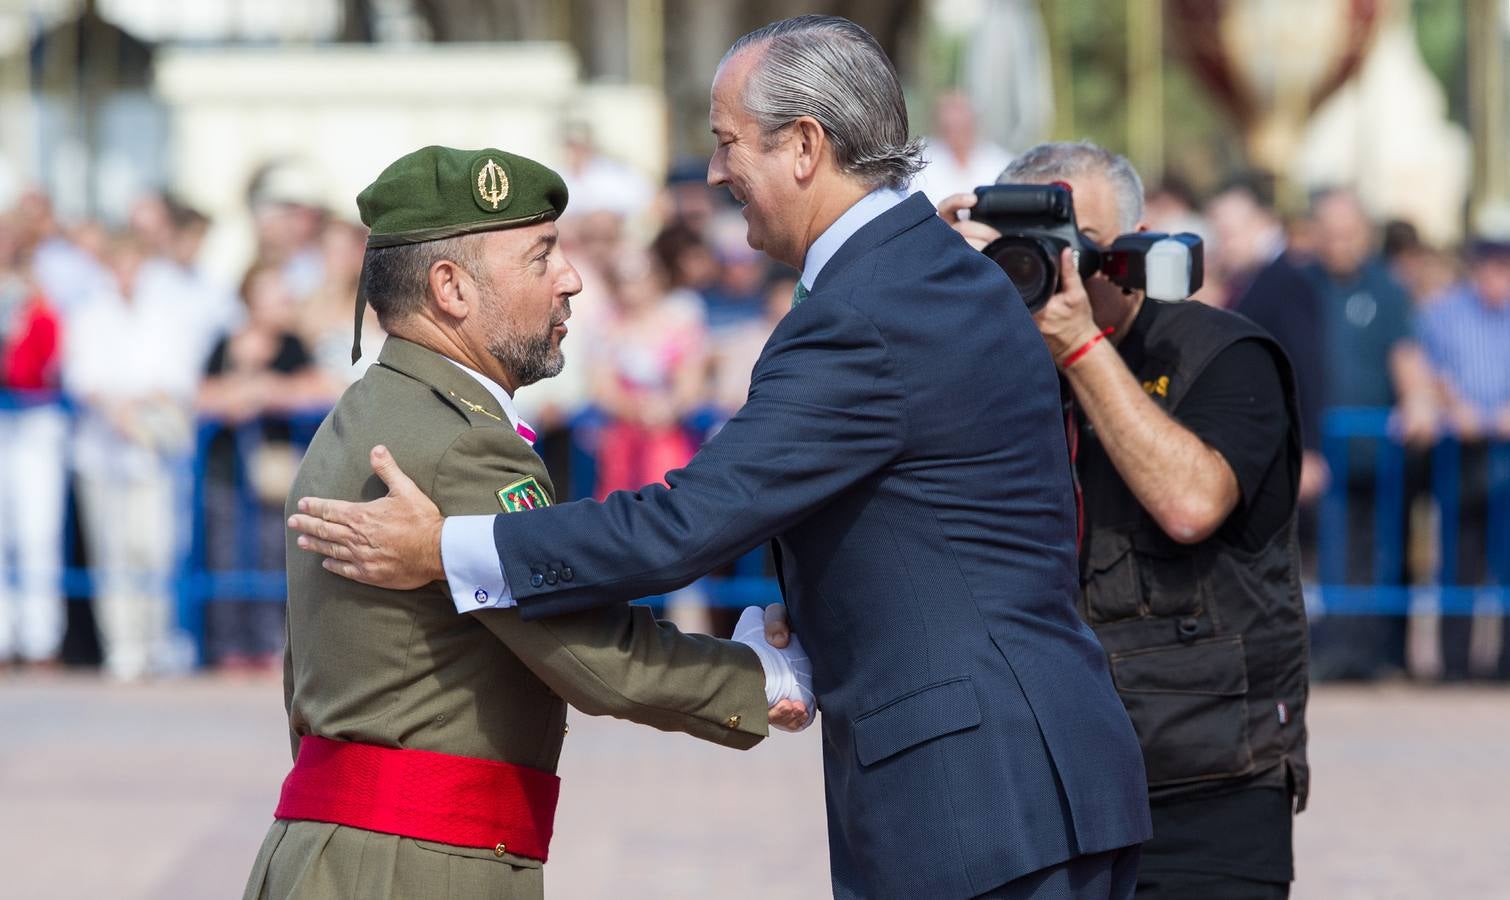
{"x":1186,"y":443}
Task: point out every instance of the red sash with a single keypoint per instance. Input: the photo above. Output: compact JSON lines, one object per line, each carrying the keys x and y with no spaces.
{"x":421,"y":794}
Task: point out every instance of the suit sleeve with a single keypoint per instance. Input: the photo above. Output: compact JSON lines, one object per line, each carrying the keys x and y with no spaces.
{"x":617,"y":661}
{"x":825,"y":411}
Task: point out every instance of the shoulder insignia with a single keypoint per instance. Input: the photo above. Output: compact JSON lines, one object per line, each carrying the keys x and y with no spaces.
{"x":474,"y":407}
{"x":1159,"y":386}
{"x":522,"y":496}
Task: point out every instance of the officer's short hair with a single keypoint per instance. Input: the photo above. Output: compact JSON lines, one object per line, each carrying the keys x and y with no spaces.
{"x":396,"y":280}
{"x":1055,"y":160}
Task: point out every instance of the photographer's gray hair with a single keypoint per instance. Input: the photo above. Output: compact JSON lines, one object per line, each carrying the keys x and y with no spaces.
{"x":1065,"y":160}
{"x":831,"y":69}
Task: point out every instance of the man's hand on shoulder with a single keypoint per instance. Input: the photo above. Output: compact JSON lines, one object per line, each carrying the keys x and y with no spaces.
{"x":392,"y":542}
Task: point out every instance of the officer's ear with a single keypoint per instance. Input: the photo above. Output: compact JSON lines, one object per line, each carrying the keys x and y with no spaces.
{"x":452,"y":288}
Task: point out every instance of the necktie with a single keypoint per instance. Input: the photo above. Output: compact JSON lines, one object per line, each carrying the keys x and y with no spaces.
{"x":799,"y":294}
{"x":525,"y":432}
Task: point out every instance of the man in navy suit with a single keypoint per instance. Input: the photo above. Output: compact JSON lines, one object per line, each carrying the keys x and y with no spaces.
{"x":902,"y":445}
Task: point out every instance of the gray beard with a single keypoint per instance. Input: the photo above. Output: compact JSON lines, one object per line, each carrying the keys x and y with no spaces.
{"x":529,"y":358}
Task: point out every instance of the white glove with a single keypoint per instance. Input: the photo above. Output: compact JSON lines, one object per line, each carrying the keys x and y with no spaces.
{"x":788,"y":671}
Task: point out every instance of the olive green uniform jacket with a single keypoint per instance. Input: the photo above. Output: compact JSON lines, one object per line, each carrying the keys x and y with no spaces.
{"x":404,"y":669}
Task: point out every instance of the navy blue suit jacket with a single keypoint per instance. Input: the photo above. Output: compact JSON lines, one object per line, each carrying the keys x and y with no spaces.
{"x":902,"y":443}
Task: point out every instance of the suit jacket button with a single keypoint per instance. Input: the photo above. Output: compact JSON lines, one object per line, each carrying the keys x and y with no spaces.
{"x":567,"y":574}
{"x":537,"y":579}
{"x":552,"y":576}
{"x":732,"y":722}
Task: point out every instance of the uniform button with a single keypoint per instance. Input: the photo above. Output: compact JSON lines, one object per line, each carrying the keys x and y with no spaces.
{"x":500,"y":850}
{"x":552,"y":576}
{"x":1188,"y":627}
{"x":567,"y":574}
{"x":732,"y":722}
{"x":537,"y":579}
{"x":566,"y":729}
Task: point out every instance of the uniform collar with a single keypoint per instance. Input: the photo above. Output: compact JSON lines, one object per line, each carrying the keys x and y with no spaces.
{"x":502,"y":396}
{"x":451,"y":379}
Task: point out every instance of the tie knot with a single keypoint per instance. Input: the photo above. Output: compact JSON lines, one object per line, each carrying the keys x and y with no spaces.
{"x":799,"y":294}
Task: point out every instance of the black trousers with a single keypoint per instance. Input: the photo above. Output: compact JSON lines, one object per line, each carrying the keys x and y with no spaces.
{"x":1204,"y":886}
{"x":1367,"y":645}
{"x":1231,"y":846}
{"x":1472,"y":566}
{"x":1098,"y":876}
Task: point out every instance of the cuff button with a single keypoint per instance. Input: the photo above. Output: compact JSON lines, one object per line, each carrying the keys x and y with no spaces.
{"x":537,"y":579}
{"x":567,"y":574}
{"x":732,"y":722}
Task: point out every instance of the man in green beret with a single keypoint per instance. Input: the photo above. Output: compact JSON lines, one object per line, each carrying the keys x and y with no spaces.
{"x":425,"y":743}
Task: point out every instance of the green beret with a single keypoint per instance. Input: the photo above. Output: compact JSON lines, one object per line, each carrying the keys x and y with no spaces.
{"x":439,"y":192}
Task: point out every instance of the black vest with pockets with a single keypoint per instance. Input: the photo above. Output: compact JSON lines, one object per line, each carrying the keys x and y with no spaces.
{"x":1208,"y":642}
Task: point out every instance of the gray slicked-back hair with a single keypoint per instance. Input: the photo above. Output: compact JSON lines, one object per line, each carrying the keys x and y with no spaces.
{"x":831,"y":69}
{"x":1065,"y":160}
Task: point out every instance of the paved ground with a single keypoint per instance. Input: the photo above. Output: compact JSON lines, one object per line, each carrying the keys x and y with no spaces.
{"x":163,"y":792}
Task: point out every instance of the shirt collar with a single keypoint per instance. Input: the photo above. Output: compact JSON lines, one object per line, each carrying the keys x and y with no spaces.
{"x":501,"y":395}
{"x":865,"y":210}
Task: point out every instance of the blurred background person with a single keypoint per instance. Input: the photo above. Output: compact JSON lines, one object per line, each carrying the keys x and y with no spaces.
{"x":1372,"y":360}
{"x":130,"y":363}
{"x":171,"y":235}
{"x":956,"y":158}
{"x":735,"y":350}
{"x":736,"y":296}
{"x":649,"y":372}
{"x":686,"y":200}
{"x":67,"y":273}
{"x":33,"y":431}
{"x":1172,"y":206}
{"x":261,"y":370}
{"x":288,"y":220}
{"x":597,"y":182}
{"x":324,"y":318}
{"x":1426,"y":272}
{"x":1264,"y":282}
{"x":1466,"y":333}
{"x":690,"y":264}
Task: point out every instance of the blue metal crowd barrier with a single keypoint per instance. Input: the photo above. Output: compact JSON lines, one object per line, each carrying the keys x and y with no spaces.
{"x":1351,"y":435}
{"x":1344,"y":432}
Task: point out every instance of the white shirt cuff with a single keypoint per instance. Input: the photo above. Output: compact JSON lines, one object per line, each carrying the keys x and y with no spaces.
{"x":473,"y":570}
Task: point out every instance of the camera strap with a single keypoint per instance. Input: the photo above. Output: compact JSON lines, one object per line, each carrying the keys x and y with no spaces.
{"x":1072,"y":439}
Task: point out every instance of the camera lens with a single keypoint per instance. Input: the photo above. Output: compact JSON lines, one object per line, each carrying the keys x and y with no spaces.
{"x":1031,"y":270}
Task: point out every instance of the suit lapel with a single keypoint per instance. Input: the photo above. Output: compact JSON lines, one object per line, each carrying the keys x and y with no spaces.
{"x":877,"y":231}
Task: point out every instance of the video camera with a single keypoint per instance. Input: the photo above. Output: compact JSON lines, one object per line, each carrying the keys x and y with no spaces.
{"x":1037,"y":221}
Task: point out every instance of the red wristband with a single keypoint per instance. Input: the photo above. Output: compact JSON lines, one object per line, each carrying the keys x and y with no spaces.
{"x":1085,"y":348}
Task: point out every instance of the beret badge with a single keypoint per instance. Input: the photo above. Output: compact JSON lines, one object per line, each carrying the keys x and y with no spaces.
{"x":492,"y":185}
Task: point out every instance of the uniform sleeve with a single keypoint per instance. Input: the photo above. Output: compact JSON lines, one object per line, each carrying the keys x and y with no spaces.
{"x":616,"y":661}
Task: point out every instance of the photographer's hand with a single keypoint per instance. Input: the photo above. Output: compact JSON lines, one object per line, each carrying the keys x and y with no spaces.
{"x":1065,"y":321}
{"x":978,"y":235}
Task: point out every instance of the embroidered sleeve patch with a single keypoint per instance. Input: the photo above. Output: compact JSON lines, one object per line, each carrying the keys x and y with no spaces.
{"x":523,"y":495}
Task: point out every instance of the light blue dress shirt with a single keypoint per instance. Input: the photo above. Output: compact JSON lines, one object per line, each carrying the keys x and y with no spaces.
{"x":467,"y":551}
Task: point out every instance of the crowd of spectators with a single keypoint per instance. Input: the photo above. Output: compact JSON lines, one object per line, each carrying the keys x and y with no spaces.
{"x":675,"y":309}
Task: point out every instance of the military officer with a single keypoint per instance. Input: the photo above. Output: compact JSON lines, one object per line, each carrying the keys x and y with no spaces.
{"x":425,"y":742}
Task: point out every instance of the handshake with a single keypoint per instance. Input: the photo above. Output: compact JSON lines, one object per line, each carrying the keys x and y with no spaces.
{"x":788,"y":671}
